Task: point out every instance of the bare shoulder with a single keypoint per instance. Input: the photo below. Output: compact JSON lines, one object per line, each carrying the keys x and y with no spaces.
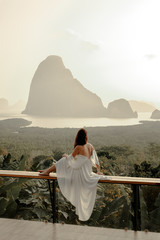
{"x":78,"y":147}
{"x":76,"y":150}
{"x":90,"y":146}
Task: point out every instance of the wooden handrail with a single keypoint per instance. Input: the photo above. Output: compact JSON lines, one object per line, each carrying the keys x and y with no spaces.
{"x":53,"y":176}
{"x":134,"y":181}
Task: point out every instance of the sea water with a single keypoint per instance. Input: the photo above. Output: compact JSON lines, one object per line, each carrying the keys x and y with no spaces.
{"x":77,"y":122}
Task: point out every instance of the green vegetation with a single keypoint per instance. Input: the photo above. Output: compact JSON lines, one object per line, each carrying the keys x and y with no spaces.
{"x":125,"y":151}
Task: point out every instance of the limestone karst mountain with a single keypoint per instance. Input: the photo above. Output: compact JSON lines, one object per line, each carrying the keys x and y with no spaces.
{"x":155,"y":114}
{"x":55,"y":93}
{"x":140,"y":106}
{"x":19,"y":105}
{"x":3,"y":104}
{"x":120,"y":109}
{"x":6,"y":108}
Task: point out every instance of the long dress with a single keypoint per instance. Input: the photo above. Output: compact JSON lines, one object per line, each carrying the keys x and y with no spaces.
{"x":78,"y":183}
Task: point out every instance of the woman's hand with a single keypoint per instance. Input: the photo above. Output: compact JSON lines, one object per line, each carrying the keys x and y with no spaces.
{"x":98,"y":170}
{"x":65,"y":155}
{"x":100,"y":173}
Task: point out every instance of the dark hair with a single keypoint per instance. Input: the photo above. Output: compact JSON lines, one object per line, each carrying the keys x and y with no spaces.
{"x":81,"y":137}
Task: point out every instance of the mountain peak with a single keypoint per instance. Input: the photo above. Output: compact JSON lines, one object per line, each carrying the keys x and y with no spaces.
{"x":54,"y":92}
{"x":120,"y":108}
{"x":57,"y":60}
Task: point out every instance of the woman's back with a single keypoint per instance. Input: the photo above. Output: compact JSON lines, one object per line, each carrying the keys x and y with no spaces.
{"x":85,"y":150}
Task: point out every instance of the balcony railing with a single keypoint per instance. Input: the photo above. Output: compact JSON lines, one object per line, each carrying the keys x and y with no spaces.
{"x":135,"y":182}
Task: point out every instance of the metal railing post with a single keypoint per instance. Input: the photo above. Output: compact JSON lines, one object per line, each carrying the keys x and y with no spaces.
{"x":53,"y":199}
{"x":136,"y":208}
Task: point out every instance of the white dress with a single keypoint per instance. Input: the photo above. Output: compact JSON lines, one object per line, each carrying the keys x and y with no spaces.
{"x":78,"y":183}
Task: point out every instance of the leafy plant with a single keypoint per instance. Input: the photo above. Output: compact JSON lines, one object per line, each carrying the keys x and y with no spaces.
{"x":34,"y":201}
{"x":10,"y":188}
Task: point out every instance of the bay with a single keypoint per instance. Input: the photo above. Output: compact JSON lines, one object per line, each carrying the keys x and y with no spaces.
{"x":45,"y":122}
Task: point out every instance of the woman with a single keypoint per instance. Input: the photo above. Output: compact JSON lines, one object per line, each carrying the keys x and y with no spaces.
{"x":76,"y":180}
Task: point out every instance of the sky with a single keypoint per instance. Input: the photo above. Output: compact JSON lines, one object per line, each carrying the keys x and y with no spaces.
{"x":111,"y":46}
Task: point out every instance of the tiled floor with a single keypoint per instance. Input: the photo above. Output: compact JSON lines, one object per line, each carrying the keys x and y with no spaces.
{"x":29,"y":230}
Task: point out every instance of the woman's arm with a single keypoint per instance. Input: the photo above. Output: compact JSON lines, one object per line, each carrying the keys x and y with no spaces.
{"x":98,"y":170}
{"x":94,"y":154}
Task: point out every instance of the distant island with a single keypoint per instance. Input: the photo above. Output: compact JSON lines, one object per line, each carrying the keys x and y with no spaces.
{"x":155,"y":114}
{"x":5,"y":107}
{"x":140,"y":106}
{"x":3,"y":104}
{"x":55,"y":93}
{"x":120,"y":109}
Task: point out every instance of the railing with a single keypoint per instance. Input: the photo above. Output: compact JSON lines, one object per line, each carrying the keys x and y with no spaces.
{"x":135,"y":182}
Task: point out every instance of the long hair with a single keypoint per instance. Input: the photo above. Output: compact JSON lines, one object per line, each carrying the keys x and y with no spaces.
{"x":81,"y":137}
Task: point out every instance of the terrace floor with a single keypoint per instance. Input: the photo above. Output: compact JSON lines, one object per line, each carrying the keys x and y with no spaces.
{"x":11,"y":229}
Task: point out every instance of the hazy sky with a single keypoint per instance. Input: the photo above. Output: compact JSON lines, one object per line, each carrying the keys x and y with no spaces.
{"x":111,"y":46}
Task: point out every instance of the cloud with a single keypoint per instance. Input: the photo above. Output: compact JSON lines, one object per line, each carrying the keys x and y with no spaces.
{"x":86,"y":44}
{"x":150,"y":56}
{"x":73,"y":33}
